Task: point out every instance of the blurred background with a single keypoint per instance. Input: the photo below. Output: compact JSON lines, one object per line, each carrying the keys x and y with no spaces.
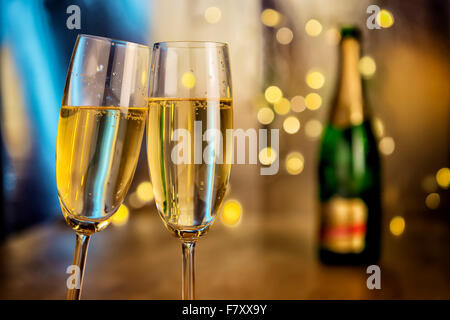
{"x":266,"y":235}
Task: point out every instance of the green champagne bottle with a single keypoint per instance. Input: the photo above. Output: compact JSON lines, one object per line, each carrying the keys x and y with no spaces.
{"x":349,"y":169}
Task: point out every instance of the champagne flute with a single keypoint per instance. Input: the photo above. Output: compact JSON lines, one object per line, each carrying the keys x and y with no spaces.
{"x":189,"y":150}
{"x":100,"y":130}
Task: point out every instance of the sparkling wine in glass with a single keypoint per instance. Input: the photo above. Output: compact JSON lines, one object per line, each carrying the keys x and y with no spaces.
{"x":189,"y":150}
{"x":100,"y":131}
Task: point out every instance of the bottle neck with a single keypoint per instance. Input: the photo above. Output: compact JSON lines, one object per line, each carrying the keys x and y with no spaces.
{"x":348,"y":106}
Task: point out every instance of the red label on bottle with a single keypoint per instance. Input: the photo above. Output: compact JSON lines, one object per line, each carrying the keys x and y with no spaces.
{"x":343,"y":227}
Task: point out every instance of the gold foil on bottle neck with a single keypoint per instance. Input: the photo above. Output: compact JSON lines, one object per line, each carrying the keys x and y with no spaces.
{"x":348,"y":109}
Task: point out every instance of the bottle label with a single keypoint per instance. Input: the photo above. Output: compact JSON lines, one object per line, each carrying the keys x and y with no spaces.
{"x":343,"y":228}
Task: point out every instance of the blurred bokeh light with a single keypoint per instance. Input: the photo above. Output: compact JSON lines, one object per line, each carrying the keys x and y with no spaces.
{"x":313,"y":28}
{"x":397,"y":225}
{"x":121,"y":216}
{"x":231,"y":213}
{"x":313,"y":101}
{"x":294,"y":163}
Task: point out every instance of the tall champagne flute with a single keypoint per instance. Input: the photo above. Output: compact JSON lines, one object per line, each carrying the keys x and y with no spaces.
{"x":100,"y":130}
{"x":189,"y":150}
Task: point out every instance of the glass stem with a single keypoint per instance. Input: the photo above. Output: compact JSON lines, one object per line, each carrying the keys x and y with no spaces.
{"x":188,"y":270}
{"x":79,"y":259}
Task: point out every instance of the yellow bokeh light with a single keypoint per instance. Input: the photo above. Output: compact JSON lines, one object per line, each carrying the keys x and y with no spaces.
{"x":295,"y":163}
{"x":273,"y":94}
{"x":188,"y":80}
{"x":313,"y":101}
{"x":333,"y":36}
{"x":443,"y":177}
{"x":315,"y":79}
{"x":284,"y":35}
{"x":213,"y":15}
{"x":282,"y":106}
{"x":313,"y":28}
{"x":367,"y":67}
{"x":144,"y":191}
{"x":265,"y":115}
{"x":313,"y":128}
{"x":134,"y":201}
{"x":432,"y":200}
{"x":378,"y":127}
{"x":270,"y":17}
{"x":385,"y":19}
{"x":397,"y":225}
{"x":267,"y":156}
{"x":231,"y":213}
{"x":386,"y":146}
{"x":298,"y":104}
{"x":121,"y":216}
{"x":291,"y":125}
